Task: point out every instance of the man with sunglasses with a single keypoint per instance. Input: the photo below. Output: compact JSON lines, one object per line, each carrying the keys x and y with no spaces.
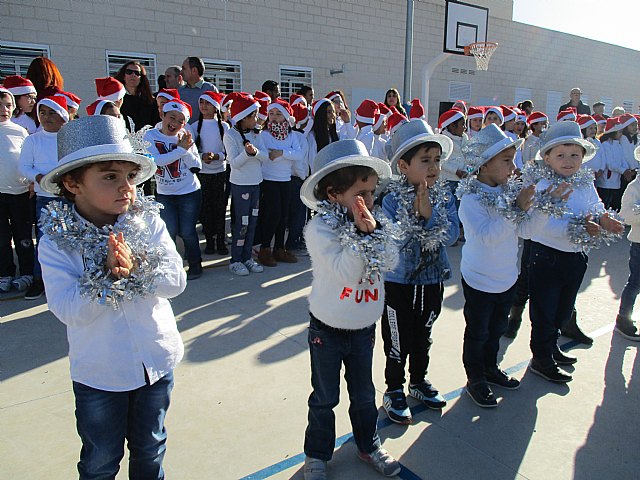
{"x":195,"y":85}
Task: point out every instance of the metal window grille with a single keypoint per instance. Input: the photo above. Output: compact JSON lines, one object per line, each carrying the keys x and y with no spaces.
{"x":225,"y":75}
{"x":459,"y":91}
{"x":15,"y":58}
{"x":628,"y":106}
{"x":293,"y":78}
{"x":115,"y":60}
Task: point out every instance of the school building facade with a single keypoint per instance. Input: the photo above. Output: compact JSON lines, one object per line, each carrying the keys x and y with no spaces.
{"x":353,"y":45}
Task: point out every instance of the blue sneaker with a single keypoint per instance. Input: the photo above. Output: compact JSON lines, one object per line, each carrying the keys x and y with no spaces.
{"x":428,"y":395}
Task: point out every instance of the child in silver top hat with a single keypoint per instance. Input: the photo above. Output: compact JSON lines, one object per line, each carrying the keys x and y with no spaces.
{"x":110,"y":266}
{"x":349,"y":250}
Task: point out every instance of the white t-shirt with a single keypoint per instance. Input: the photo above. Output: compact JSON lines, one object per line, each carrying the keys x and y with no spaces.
{"x":211,"y":141}
{"x":39,"y":156}
{"x":12,"y":137}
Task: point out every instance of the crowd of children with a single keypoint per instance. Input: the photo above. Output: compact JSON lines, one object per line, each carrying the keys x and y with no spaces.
{"x":487,"y":178}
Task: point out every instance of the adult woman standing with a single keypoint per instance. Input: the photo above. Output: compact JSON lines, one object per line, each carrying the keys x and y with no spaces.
{"x":43,"y":73}
{"x":392,"y":99}
{"x":138,"y":103}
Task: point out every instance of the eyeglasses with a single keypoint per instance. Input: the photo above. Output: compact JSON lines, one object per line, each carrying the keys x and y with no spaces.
{"x":137,"y":73}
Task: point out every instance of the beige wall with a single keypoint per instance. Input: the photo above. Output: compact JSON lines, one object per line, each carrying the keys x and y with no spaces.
{"x":365,"y":35}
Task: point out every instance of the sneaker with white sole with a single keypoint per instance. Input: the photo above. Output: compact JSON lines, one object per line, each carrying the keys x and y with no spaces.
{"x":427,"y":394}
{"x":239,"y":269}
{"x":315,"y":469}
{"x":22,"y":283}
{"x":253,"y":266}
{"x":5,"y":284}
{"x":382,"y":462}
{"x":395,"y":404}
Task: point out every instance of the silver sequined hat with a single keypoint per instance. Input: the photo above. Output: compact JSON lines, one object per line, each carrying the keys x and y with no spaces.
{"x":414,"y":133}
{"x":485,"y":145}
{"x":564,"y":133}
{"x":92,"y":139}
{"x":337,"y":155}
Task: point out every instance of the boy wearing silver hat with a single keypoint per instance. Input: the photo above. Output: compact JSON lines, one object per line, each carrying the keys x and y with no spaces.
{"x":109,"y":267}
{"x":349,"y":250}
{"x":425,"y":211}
{"x":559,"y":246}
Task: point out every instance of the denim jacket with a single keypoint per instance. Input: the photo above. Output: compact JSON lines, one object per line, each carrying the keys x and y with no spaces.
{"x":421,"y":268}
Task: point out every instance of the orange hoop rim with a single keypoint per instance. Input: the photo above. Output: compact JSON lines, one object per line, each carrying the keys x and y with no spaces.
{"x":467,"y":48}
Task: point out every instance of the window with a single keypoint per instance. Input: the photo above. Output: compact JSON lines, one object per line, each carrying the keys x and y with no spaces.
{"x":522,"y":94}
{"x":628,"y":106}
{"x":459,"y":91}
{"x":15,"y":58}
{"x":225,"y":75}
{"x":554,"y":100}
{"x":293,"y":78}
{"x":115,"y":60}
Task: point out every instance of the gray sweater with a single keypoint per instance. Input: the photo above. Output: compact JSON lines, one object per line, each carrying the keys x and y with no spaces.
{"x":191,"y":95}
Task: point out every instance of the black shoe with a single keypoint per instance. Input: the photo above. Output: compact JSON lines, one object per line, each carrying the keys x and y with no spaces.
{"x":572,"y":330}
{"x":501,"y":379}
{"x":551,"y":373}
{"x":195,"y":271}
{"x":210,"y":249}
{"x":562,"y":358}
{"x":515,"y":320}
{"x":36,"y":290}
{"x":626,"y":329}
{"x":222,"y":246}
{"x":395,"y":404}
{"x":481,"y":394}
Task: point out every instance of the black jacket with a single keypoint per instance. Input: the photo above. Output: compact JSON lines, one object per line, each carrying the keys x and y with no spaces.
{"x":583,"y":109}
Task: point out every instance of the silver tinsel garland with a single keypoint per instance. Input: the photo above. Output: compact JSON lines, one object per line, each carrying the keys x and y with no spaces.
{"x":577,"y":232}
{"x":429,"y":239}
{"x":62,"y":225}
{"x":534,"y":172}
{"x":503,"y":202}
{"x":378,"y":250}
{"x":636,"y":208}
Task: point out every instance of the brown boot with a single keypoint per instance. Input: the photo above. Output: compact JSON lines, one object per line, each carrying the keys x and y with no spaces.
{"x":282,"y":255}
{"x":265,"y":257}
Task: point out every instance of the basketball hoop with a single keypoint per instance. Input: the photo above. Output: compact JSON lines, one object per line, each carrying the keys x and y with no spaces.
{"x":482,"y":52}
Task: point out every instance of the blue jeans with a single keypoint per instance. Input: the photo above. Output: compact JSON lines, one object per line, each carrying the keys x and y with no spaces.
{"x":106,"y":419}
{"x":486,"y":317}
{"x":244,"y":200}
{"x":554,"y":281}
{"x":180,"y":213}
{"x":632,"y":288}
{"x":297,"y":216}
{"x":329,"y":349}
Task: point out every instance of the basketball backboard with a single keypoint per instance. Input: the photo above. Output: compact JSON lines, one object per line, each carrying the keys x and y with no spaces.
{"x":464,"y":24}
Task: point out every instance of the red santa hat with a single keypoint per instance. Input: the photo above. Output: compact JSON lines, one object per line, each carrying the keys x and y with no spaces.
{"x":242,"y":105}
{"x":176,"y":105}
{"x":295,"y":99}
{"x":57,"y":104}
{"x":333,"y":96}
{"x":497,"y":111}
{"x":537,"y":117}
{"x":226,"y":102}
{"x":262,"y":111}
{"x":417,"y":110}
{"x":508,"y":113}
{"x":475,"y":112}
{"x":520,"y":116}
{"x":366,"y":112}
{"x":109,"y":88}
{"x":460,"y":105}
{"x":300,"y":113}
{"x":394,"y":122}
{"x":585,"y":120}
{"x":566,"y":115}
{"x":317,"y":104}
{"x":261,"y":96}
{"x":18,"y":85}
{"x":600,"y":119}
{"x":613,"y":125}
{"x":96,"y":107}
{"x":448,"y":117}
{"x":214,"y":98}
{"x":168,"y":93}
{"x":283,"y":107}
{"x":626,"y":120}
{"x":384,"y":110}
{"x":73,"y":101}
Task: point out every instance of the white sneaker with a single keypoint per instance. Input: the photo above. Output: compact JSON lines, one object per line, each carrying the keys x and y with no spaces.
{"x":22,"y":283}
{"x":5,"y":284}
{"x":253,"y":266}
{"x":239,"y":269}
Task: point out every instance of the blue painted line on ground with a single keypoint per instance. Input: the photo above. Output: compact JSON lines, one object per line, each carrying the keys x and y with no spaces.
{"x":405,"y":473}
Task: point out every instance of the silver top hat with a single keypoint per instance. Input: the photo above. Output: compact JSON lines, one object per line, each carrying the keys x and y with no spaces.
{"x":337,"y":155}
{"x":96,"y":138}
{"x":485,"y":145}
{"x":564,"y":133}
{"x":411,"y":134}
